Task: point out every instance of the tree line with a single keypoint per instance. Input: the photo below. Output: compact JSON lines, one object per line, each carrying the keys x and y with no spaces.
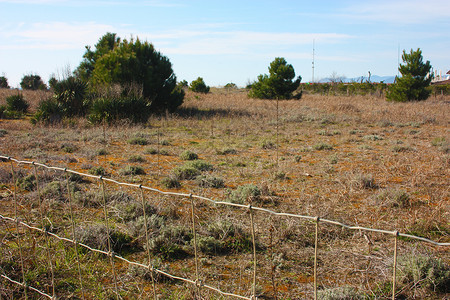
{"x":129,"y":79}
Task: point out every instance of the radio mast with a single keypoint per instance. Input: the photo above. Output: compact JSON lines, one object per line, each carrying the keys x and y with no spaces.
{"x":313,"y":63}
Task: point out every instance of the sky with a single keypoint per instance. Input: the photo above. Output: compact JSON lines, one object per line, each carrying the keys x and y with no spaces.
{"x":228,"y":41}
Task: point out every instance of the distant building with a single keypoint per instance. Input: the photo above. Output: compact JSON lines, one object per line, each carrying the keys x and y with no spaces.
{"x":438,"y":76}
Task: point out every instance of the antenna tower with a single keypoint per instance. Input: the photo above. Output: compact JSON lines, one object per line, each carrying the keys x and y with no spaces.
{"x":313,"y":63}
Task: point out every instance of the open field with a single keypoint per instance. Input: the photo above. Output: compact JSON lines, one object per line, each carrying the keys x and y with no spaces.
{"x":357,"y":160}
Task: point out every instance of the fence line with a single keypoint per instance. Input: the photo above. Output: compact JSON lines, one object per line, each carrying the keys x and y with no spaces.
{"x":197,"y":282}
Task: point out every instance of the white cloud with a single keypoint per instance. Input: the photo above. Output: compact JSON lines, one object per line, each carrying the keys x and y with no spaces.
{"x":400,"y":12}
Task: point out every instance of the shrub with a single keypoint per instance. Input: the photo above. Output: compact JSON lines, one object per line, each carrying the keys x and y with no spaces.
{"x":27,"y":183}
{"x":48,"y":111}
{"x":154,"y":224}
{"x":415,"y":79}
{"x":243,"y":193}
{"x":393,"y":198}
{"x":96,"y":236}
{"x":199,"y":86}
{"x":97,"y":171}
{"x":111,"y":109}
{"x":424,"y":271}
{"x":131,"y":210}
{"x":185,"y":172}
{"x":172,"y":242}
{"x":171,"y":183}
{"x":188,"y":155}
{"x":32,"y":82}
{"x":71,"y":94}
{"x":136,"y":158}
{"x":132,"y":170}
{"x":229,"y":237}
{"x":278,"y":84}
{"x":4,"y":82}
{"x":199,"y":164}
{"x":323,"y":146}
{"x":123,"y":62}
{"x":138,"y":141}
{"x":207,"y":181}
{"x":339,"y":293}
{"x":17,"y":103}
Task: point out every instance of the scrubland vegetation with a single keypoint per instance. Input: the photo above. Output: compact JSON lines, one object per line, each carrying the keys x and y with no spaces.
{"x":357,"y":159}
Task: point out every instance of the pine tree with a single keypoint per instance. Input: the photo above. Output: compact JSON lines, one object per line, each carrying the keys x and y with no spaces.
{"x":412,"y":85}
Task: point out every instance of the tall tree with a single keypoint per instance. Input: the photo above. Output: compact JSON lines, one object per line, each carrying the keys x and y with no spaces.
{"x":416,"y":77}
{"x":278,"y":84}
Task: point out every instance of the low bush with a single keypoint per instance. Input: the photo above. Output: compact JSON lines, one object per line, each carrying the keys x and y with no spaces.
{"x":97,"y":171}
{"x":243,"y":193}
{"x":171,"y":183}
{"x":138,"y":141}
{"x":199,"y":164}
{"x":188,"y":155}
{"x":185,"y":172}
{"x":27,"y":183}
{"x":132,"y":170}
{"x":425,"y":272}
{"x":111,"y":109}
{"x":17,"y":103}
{"x":207,"y":181}
{"x":172,"y":242}
{"x":339,"y":293}
{"x":96,"y":236}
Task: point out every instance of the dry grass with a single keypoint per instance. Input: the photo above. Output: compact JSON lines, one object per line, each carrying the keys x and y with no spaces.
{"x":355,"y":181}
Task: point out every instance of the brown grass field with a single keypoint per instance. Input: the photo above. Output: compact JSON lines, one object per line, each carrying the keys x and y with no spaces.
{"x":358,"y":160}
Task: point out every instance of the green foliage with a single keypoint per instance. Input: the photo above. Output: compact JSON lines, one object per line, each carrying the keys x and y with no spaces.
{"x":208,"y":181}
{"x":231,"y":86}
{"x":412,"y":86}
{"x":32,"y":82}
{"x":224,"y":237}
{"x":183,"y":84}
{"x":17,"y":103}
{"x":96,"y":236}
{"x":323,"y":146}
{"x":172,"y":242}
{"x":278,"y":84}
{"x":71,"y":93}
{"x":111,"y":109}
{"x":126,"y":62}
{"x":199,"y":86}
{"x":243,"y":193}
{"x":98,"y":171}
{"x":188,"y":155}
{"x":185,"y":172}
{"x":27,"y":183}
{"x":339,"y":293}
{"x":132,"y":170}
{"x":424,"y":271}
{"x":199,"y":164}
{"x":138,"y":141}
{"x":4,"y":82}
{"x":171,"y":183}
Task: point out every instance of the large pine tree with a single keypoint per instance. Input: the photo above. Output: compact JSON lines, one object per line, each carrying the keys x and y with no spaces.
{"x":412,"y":85}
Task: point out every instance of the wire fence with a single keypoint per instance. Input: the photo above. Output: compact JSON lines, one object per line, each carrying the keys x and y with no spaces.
{"x":195,"y":281}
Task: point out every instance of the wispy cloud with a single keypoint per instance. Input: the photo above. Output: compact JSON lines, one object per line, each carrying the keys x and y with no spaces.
{"x":84,"y":3}
{"x":399,"y":12}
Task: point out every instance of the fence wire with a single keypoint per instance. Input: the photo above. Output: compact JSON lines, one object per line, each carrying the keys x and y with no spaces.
{"x":197,"y":283}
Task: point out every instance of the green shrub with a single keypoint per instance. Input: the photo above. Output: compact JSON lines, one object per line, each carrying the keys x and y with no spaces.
{"x":199,"y":86}
{"x":339,"y":293}
{"x":4,"y":82}
{"x":138,"y":141}
{"x":185,"y":172}
{"x":96,"y":236}
{"x":27,"y":183}
{"x":131,"y":210}
{"x":3,"y":132}
{"x":102,"y":151}
{"x":48,"y":111}
{"x":171,"y":183}
{"x":32,"y":82}
{"x":2,"y":111}
{"x":111,"y":109}
{"x":17,"y":103}
{"x":207,"y":181}
{"x":209,"y":245}
{"x":188,"y":155}
{"x":132,"y":170}
{"x":323,"y":146}
{"x":230,"y":237}
{"x":151,"y":151}
{"x":172,"y":242}
{"x":136,"y":158}
{"x":71,"y":94}
{"x":97,"y":171}
{"x":243,"y":193}
{"x":199,"y":164}
{"x":423,"y":271}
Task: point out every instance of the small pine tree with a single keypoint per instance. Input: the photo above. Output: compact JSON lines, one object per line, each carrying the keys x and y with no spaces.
{"x":32,"y":82}
{"x":412,"y":85}
{"x":199,"y":86}
{"x":278,"y":84}
{"x":4,"y":82}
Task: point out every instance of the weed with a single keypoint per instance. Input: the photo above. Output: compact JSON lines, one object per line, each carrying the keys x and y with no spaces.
{"x":164,"y":152}
{"x":171,"y":182}
{"x":138,"y":141}
{"x":243,"y":193}
{"x":323,"y":146}
{"x":207,"y":181}
{"x":102,"y":152}
{"x":68,"y":148}
{"x":393,"y":198}
{"x":164,"y":143}
{"x":96,"y":236}
{"x":129,"y":211}
{"x":185,"y":172}
{"x":227,"y":151}
{"x":365,"y":181}
{"x":172,"y":242}
{"x":151,"y":151}
{"x":97,"y":171}
{"x":132,"y":170}
{"x":402,"y":149}
{"x":297,"y":158}
{"x":188,"y":155}
{"x":17,"y":103}
{"x":199,"y":164}
{"x":268,"y":145}
{"x":136,"y":159}
{"x":373,"y":137}
{"x":423,"y":271}
{"x":27,"y":183}
{"x":3,"y":132}
{"x":339,"y":293}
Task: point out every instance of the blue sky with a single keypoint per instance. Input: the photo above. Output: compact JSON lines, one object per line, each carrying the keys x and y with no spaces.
{"x":227,"y":41}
